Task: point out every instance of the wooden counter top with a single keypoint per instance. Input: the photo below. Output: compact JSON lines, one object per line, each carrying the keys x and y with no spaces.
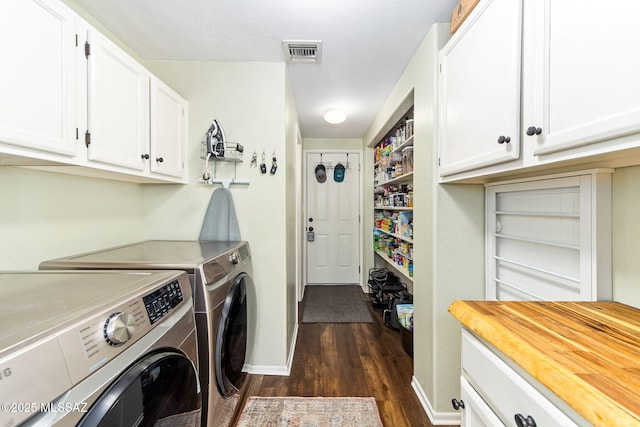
{"x":587,"y":353}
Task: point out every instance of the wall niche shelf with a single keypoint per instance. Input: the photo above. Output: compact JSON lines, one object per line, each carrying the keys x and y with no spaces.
{"x":393,"y":198}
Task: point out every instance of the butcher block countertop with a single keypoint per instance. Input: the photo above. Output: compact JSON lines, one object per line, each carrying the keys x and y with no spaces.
{"x":587,"y":353}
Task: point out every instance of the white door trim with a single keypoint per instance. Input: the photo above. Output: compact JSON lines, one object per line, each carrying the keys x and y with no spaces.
{"x":305,"y":175}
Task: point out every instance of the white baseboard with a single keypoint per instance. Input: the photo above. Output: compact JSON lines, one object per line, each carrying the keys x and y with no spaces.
{"x":276,"y":369}
{"x":436,"y":418}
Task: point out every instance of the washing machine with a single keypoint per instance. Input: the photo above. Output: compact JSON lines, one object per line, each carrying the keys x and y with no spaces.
{"x":98,"y":349}
{"x":221,"y":276}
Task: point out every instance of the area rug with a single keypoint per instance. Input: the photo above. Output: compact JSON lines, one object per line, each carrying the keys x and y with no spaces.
{"x":334,"y":304}
{"x":310,"y":412}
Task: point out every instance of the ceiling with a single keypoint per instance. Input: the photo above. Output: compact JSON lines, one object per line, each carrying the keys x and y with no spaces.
{"x":366,"y":44}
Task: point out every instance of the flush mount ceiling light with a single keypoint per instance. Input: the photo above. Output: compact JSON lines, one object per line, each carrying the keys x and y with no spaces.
{"x":334,"y":116}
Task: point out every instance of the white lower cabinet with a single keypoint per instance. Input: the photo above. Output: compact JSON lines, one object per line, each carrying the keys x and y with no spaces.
{"x":475,"y":412}
{"x":494,"y":394}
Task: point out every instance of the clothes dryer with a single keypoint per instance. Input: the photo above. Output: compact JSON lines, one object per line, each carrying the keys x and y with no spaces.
{"x":98,"y":349}
{"x":220,"y":273}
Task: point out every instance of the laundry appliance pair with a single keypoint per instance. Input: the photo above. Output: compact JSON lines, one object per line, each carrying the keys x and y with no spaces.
{"x":220,"y":275}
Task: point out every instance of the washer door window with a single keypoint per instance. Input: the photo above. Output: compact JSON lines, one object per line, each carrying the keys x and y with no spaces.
{"x":231,"y":342}
{"x":161,"y":387}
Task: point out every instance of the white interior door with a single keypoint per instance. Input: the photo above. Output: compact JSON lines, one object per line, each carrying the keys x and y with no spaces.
{"x":333,"y":218}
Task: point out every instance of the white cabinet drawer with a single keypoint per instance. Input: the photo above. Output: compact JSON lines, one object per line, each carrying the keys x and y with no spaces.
{"x":504,"y":390}
{"x":476,"y":413}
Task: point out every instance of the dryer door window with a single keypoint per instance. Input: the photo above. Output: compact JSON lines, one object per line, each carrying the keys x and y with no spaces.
{"x":231,"y":342}
{"x":159,"y":387}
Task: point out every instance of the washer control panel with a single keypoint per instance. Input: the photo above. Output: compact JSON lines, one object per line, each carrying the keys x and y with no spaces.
{"x":89,"y":345}
{"x":162,"y":301}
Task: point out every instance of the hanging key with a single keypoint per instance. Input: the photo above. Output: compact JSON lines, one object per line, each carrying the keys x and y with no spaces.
{"x":263,"y":165}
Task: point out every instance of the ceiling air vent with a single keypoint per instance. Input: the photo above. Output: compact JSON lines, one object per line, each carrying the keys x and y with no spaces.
{"x":304,"y":52}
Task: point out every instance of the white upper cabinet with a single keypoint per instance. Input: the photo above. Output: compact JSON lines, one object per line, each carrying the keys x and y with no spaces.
{"x":480,"y":89}
{"x":590,"y":86}
{"x":118,"y":106}
{"x":168,"y":130}
{"x":556,"y":79}
{"x":37,"y":78}
{"x":71,"y":97}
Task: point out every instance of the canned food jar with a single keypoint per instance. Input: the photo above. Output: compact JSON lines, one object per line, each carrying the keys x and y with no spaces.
{"x":408,"y":128}
{"x":407,"y":159}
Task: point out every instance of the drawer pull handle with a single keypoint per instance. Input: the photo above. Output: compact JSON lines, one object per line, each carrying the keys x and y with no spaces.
{"x":502,"y":139}
{"x":521,"y":421}
{"x":532,"y":130}
{"x":457,"y":404}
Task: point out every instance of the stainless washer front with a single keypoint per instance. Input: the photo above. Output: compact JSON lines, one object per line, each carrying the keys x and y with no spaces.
{"x":98,"y":348}
{"x":220,"y":274}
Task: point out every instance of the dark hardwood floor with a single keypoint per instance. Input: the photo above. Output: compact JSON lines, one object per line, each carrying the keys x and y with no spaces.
{"x":350,"y":359}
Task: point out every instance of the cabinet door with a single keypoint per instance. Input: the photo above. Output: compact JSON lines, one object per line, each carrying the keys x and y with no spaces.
{"x":591,"y":88}
{"x":168,"y":130}
{"x":480,"y":89}
{"x":476,"y":412}
{"x":118,"y":117}
{"x":37,"y":44}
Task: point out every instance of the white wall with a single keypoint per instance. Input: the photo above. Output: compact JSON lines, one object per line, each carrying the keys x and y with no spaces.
{"x":333,"y":144}
{"x":448,"y":236}
{"x":625,"y":196}
{"x":293,"y":236}
{"x":46,"y":215}
{"x":250,"y":100}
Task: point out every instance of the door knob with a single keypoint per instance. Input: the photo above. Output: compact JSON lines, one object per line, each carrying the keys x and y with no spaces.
{"x":504,"y":139}
{"x":310,"y":219}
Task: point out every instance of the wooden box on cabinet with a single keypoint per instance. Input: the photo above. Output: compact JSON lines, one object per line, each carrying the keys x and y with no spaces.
{"x":460,"y":13}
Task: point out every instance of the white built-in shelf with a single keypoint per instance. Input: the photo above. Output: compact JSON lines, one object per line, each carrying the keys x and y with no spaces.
{"x":402,"y":179}
{"x":405,"y":273}
{"x":397,"y":236}
{"x":393,"y":208}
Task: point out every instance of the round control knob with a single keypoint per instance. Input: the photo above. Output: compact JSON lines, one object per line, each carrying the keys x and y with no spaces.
{"x":119,"y":328}
{"x":234,"y":258}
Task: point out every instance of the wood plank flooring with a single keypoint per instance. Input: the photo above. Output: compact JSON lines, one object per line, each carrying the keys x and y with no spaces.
{"x":350,"y":359}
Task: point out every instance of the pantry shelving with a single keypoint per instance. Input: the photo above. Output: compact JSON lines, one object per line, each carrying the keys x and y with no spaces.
{"x":393,"y":198}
